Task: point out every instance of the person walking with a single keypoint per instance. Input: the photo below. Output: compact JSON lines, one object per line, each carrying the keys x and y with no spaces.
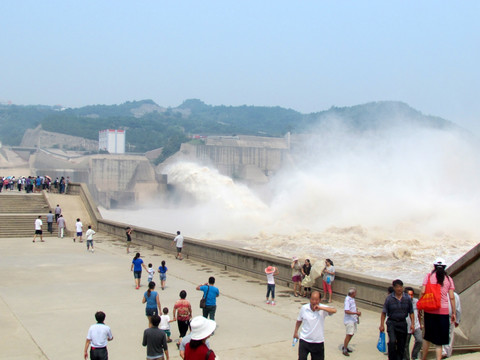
{"x":58,"y":212}
{"x":197,"y":349}
{"x":437,"y":322}
{"x":98,"y":336}
{"x":79,"y":230}
{"x":328,"y":277}
{"x":417,"y":334}
{"x":38,"y":228}
{"x":296,"y":276}
{"x":179,"y":244}
{"x":136,"y":267}
{"x":89,"y":235}
{"x":61,"y":226}
{"x":350,"y":319}
{"x":182,"y":313}
{"x":151,"y":298}
{"x":447,"y":349}
{"x":156,"y":341}
{"x":210,"y":293}
{"x":312,"y":318}
{"x":162,"y":271}
{"x":271,"y":271}
{"x":50,"y":222}
{"x":397,"y":307}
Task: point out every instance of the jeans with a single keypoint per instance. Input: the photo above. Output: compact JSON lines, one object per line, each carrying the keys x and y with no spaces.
{"x":417,"y":346}
{"x":271,"y":289}
{"x":397,"y":336}
{"x":50,"y":227}
{"x":209,"y":310}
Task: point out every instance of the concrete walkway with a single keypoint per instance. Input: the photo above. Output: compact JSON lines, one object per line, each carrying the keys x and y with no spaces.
{"x":50,"y":291}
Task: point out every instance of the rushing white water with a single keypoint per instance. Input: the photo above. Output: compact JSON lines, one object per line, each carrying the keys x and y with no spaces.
{"x":385,"y":204}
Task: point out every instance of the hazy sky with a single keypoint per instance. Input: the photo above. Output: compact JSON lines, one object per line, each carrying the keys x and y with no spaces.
{"x":305,"y":55}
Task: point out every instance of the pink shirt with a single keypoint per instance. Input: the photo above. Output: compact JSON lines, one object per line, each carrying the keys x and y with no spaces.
{"x":447,"y":285}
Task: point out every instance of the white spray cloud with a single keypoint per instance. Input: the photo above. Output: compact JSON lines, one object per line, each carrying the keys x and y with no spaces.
{"x":394,"y":198}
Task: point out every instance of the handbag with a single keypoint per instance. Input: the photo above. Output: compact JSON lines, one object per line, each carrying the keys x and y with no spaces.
{"x":381,"y":344}
{"x":431,"y":298}
{"x":203,"y":300}
{"x":307,"y":281}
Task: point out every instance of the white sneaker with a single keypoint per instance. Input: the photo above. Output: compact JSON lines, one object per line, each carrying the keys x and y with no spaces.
{"x":268,"y":301}
{"x":273,"y":302}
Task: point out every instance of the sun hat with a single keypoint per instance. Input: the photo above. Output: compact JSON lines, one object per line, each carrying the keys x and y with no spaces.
{"x":202,"y":327}
{"x":295,"y":258}
{"x":439,"y":262}
{"x":270,"y":269}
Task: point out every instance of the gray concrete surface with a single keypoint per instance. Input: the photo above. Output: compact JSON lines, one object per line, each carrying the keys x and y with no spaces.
{"x":50,"y":291}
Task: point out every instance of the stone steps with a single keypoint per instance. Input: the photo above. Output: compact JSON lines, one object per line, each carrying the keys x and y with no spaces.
{"x":18,"y":213}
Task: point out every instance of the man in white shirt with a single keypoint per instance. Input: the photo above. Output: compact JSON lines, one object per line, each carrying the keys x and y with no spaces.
{"x":38,"y":228}
{"x":179,"y":244}
{"x":447,"y":349}
{"x":97,"y":338}
{"x":79,"y":230}
{"x":350,"y":319}
{"x":312,"y":317}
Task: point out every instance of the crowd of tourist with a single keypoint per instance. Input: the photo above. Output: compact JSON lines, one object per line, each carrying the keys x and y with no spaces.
{"x":33,"y":184}
{"x":403,"y":314}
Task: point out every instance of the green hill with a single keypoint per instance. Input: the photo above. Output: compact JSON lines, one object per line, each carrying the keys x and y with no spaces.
{"x":151,"y":126}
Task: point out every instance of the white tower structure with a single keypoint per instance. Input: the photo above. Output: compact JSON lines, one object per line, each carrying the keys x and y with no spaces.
{"x":112,"y":141}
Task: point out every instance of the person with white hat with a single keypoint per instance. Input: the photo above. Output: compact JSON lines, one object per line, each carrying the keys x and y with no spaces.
{"x":202,"y":329}
{"x":271,"y":271}
{"x":437,"y":322}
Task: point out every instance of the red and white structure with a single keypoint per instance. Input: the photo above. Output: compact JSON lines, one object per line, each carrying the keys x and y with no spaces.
{"x":112,"y":141}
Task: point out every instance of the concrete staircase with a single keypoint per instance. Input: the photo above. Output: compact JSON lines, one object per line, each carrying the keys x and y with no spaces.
{"x":18,"y":212}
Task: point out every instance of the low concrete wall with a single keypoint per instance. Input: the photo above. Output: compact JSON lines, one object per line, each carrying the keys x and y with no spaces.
{"x":371,"y":291}
{"x":82,"y":190}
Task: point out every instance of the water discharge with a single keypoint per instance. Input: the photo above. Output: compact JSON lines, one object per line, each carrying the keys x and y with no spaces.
{"x":384,"y":203}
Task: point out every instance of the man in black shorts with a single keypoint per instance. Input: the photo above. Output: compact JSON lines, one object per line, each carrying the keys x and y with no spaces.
{"x":38,"y":228}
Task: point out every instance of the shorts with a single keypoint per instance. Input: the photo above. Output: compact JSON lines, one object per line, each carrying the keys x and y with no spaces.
{"x":79,"y":233}
{"x":179,"y":250}
{"x":168,"y":332}
{"x":38,"y":232}
{"x":163,"y":276}
{"x":137,"y":274}
{"x":351,"y":328}
{"x":297,"y":278}
{"x":90,"y":243}
{"x":151,"y":311}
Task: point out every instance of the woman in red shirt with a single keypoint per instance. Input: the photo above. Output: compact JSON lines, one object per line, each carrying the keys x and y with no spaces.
{"x":196,"y":349}
{"x":182,"y":312}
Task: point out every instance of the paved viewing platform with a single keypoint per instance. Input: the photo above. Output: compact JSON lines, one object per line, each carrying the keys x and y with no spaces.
{"x":50,"y":291}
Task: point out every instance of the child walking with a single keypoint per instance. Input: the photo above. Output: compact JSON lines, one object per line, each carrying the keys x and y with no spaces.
{"x":165,"y":323}
{"x":162,"y":270}
{"x":271,"y":271}
{"x":150,"y":272}
{"x":89,"y":235}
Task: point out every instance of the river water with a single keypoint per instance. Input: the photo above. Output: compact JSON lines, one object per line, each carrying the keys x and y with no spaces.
{"x":385,"y":208}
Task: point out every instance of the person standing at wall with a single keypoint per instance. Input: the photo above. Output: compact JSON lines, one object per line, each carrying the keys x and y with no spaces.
{"x":328,"y":277}
{"x":179,"y":244}
{"x":296,"y":276}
